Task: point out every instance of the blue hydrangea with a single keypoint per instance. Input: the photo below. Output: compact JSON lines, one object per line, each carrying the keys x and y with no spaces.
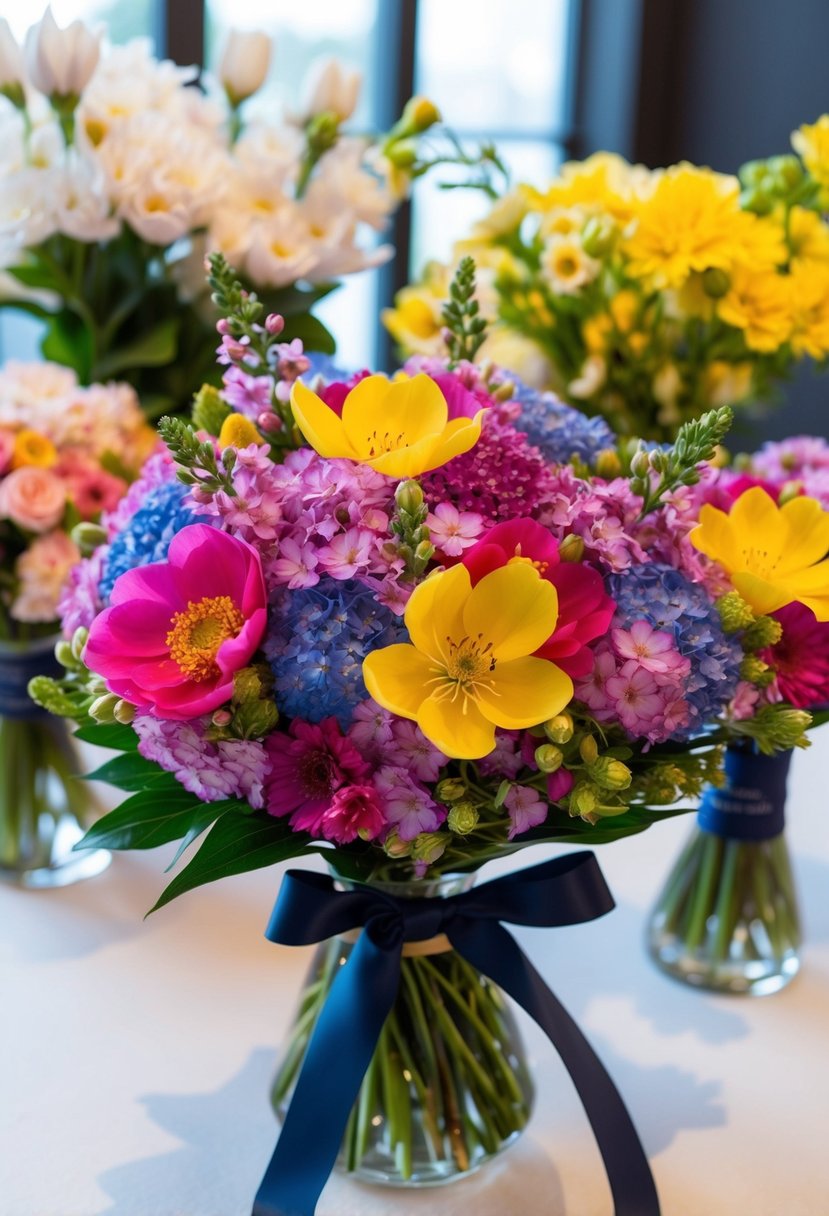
{"x":317,"y":640}
{"x":147,"y":536}
{"x":668,"y":600}
{"x":325,"y":366}
{"x":559,"y":431}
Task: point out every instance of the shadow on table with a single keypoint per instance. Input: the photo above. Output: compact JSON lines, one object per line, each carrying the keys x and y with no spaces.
{"x":227,"y":1138}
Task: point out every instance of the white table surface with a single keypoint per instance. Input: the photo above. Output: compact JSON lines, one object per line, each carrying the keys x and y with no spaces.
{"x":135,"y":1056}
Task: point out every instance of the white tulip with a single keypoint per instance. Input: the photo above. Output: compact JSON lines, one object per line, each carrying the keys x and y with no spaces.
{"x":12,"y":66}
{"x":331,"y":89}
{"x":61,"y":62}
{"x":244,"y":63}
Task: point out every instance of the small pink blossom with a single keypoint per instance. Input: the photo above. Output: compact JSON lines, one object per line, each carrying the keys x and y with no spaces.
{"x":296,"y":565}
{"x":593,"y":691}
{"x":526,"y":810}
{"x":407,"y":805}
{"x":354,"y":810}
{"x":635,"y":695}
{"x":451,"y":530}
{"x":744,"y":702}
{"x":347,"y":554}
{"x":654,"y":649}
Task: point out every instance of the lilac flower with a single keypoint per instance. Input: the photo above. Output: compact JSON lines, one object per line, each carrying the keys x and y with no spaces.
{"x":451,"y":530}
{"x":247,"y":394}
{"x":407,"y":805}
{"x":347,"y":554}
{"x":526,"y":810}
{"x":233,"y":768}
{"x":371,"y":730}
{"x":411,"y":750}
{"x":505,"y":759}
{"x":296,"y":565}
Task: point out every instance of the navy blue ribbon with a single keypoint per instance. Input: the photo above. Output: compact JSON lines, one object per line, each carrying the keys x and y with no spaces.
{"x":752,"y":803}
{"x":566,"y":891}
{"x":19,"y":664}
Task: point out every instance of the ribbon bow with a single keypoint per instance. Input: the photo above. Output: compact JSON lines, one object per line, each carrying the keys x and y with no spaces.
{"x":566,"y":891}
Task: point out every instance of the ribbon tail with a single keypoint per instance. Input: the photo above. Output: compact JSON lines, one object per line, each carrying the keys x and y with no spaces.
{"x":336,"y":1060}
{"x":493,"y":950}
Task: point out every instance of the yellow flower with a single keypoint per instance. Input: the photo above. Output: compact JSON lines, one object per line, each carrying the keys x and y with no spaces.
{"x":469,"y":667}
{"x":32,"y":448}
{"x":623,"y":308}
{"x":415,"y":321}
{"x":726,"y":383}
{"x":238,"y":432}
{"x":562,"y":221}
{"x":759,"y":305}
{"x":774,"y":554}
{"x":691,"y":221}
{"x":809,"y":283}
{"x":401,"y":428}
{"x":566,"y":266}
{"x":595,"y":331}
{"x":812,"y":145}
{"x":809,"y":236}
{"x":602,"y":183}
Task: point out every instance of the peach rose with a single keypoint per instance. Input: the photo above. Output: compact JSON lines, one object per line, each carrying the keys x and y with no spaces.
{"x":32,"y":498}
{"x":41,"y":572}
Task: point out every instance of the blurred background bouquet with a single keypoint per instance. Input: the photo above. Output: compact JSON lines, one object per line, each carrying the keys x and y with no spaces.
{"x":650,"y":296}
{"x":118,"y":171}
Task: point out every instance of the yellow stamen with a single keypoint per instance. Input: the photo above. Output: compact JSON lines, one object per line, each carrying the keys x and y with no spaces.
{"x":199,"y":631}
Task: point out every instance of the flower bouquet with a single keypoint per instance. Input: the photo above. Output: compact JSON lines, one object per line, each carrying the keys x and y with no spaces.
{"x":651,"y":296}
{"x":66,"y":454}
{"x":370,"y":619}
{"x":117,"y":173}
{"x":727,"y":918}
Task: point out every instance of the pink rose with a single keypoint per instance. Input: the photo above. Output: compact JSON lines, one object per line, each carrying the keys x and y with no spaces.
{"x":32,"y":498}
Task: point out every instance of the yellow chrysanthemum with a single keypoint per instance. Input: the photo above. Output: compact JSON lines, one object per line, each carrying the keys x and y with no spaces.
{"x":809,"y":286}
{"x":759,"y":305}
{"x":774,"y":555}
{"x":401,"y":428}
{"x":469,"y":667}
{"x":808,"y":235}
{"x":604,"y":183}
{"x":811,"y":142}
{"x":691,"y":221}
{"x":32,"y":448}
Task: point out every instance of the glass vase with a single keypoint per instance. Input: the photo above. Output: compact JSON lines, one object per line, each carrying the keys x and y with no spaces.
{"x":43,"y":804}
{"x":448,"y":1086}
{"x":727,"y":918}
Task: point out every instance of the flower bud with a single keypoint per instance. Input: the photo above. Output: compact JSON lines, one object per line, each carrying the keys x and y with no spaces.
{"x":756,"y":201}
{"x":450,"y":789}
{"x":65,"y":655}
{"x":607,"y":465}
{"x":124,"y":712}
{"x":588,"y":749}
{"x":244,"y":64}
{"x":715,"y":282}
{"x":735,"y":613}
{"x":657,"y":460}
{"x":597,"y":237}
{"x":274,"y":324}
{"x":238,"y":432}
{"x":571,"y":549}
{"x":640,"y":464}
{"x":102,"y":708}
{"x":419,"y":114}
{"x":463,"y":818}
{"x":270,"y":423}
{"x":88,"y":536}
{"x":402,"y":154}
{"x":754,"y":173}
{"x":549,"y":758}
{"x":79,"y":640}
{"x":12,"y":67}
{"x":584,"y":799}
{"x":791,"y":490}
{"x":756,"y":672}
{"x":763,"y":632}
{"x":393,"y":846}
{"x":429,"y":846}
{"x":61,"y":62}
{"x":222,"y":717}
{"x":409,"y":497}
{"x":611,"y":774}
{"x":786,"y":172}
{"x":331,"y":89}
{"x":559,"y":729}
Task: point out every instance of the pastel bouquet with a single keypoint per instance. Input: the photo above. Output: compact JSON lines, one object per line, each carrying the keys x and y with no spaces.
{"x":67,"y":454}
{"x":118,"y":172}
{"x":650,"y":296}
{"x":412,"y":625}
{"x":728,"y":917}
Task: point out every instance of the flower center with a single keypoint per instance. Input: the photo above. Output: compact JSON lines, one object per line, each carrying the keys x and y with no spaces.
{"x":760,"y":561}
{"x":198,"y":632}
{"x":467,"y":669}
{"x":540,"y":566}
{"x":317,"y":774}
{"x":377,"y":444}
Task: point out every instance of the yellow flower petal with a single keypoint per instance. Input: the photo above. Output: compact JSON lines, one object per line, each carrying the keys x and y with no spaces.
{"x":380,"y":415}
{"x":459,"y":436}
{"x":435,"y":610}
{"x":319,"y":424}
{"x":525,"y":692}
{"x":756,"y":517}
{"x":514,"y":608}
{"x":458,"y":730}
{"x":808,"y":532}
{"x":408,"y":461}
{"x":764,"y":597}
{"x":398,"y":678}
{"x":714,"y":537}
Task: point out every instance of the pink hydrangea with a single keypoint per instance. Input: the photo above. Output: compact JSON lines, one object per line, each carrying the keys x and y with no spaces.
{"x":602,"y":513}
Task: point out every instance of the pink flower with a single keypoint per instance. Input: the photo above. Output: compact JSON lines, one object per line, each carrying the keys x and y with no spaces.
{"x":653,"y":649}
{"x":247,"y":394}
{"x":296,"y":565}
{"x":593,"y":691}
{"x":90,"y":488}
{"x":176,"y":632}
{"x":410,"y":749}
{"x":451,"y":530}
{"x":744,"y":702}
{"x":584,"y":610}
{"x":801,"y":658}
{"x":41,"y":572}
{"x":559,"y":784}
{"x":354,"y":810}
{"x":347,"y":554}
{"x":308,"y":766}
{"x":33,"y":498}
{"x":526,"y":810}
{"x":636,"y":698}
{"x":407,"y":805}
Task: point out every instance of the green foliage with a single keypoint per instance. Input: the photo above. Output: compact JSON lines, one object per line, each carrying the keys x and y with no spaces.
{"x":465,"y":327}
{"x":775,"y":728}
{"x":697,"y":441}
{"x":112,"y":735}
{"x":196,"y":459}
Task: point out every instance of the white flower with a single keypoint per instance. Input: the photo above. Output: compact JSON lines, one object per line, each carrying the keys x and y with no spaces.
{"x":343,"y":173}
{"x":82,"y":208}
{"x":591,"y":378}
{"x":12,"y":66}
{"x":566,"y":266}
{"x":331,"y":88}
{"x":61,"y":62}
{"x":27,"y":212}
{"x":281,"y":250}
{"x":244,"y":63}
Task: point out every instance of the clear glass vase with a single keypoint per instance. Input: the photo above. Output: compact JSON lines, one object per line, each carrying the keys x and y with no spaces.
{"x":448,"y":1086}
{"x":727,"y":918}
{"x":43,"y":805}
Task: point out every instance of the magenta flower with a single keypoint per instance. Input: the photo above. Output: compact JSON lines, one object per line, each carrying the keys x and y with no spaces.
{"x":801,"y":657}
{"x":584,"y":609}
{"x":308,"y":766}
{"x":354,"y":810}
{"x":559,"y":784}
{"x":407,"y":805}
{"x":526,"y":810}
{"x":176,"y":632}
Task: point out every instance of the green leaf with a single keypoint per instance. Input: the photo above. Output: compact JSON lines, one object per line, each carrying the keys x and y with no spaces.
{"x":153,"y":348}
{"x":146,"y":820}
{"x":234,"y":845}
{"x":28,"y":306}
{"x":133,"y":772}
{"x":313,"y":333}
{"x":33,"y":275}
{"x":68,"y":341}
{"x":289,"y":301}
{"x":114,"y":735}
{"x":199,"y":824}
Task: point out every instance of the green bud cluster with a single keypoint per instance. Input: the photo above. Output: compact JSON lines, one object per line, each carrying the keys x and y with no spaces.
{"x":451,"y":789}
{"x":560,"y":729}
{"x":429,"y":847}
{"x":735,"y":614}
{"x":697,"y":441}
{"x":776,"y":727}
{"x":88,"y":537}
{"x":465,"y":329}
{"x":252,"y":712}
{"x":764,"y":631}
{"x":196,"y":459}
{"x":408,"y":525}
{"x":463,"y":818}
{"x":610,"y":774}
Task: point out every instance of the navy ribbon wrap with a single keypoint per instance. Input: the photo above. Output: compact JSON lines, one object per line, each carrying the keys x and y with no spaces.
{"x":566,"y":891}
{"x":752,"y":803}
{"x":19,"y":663}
